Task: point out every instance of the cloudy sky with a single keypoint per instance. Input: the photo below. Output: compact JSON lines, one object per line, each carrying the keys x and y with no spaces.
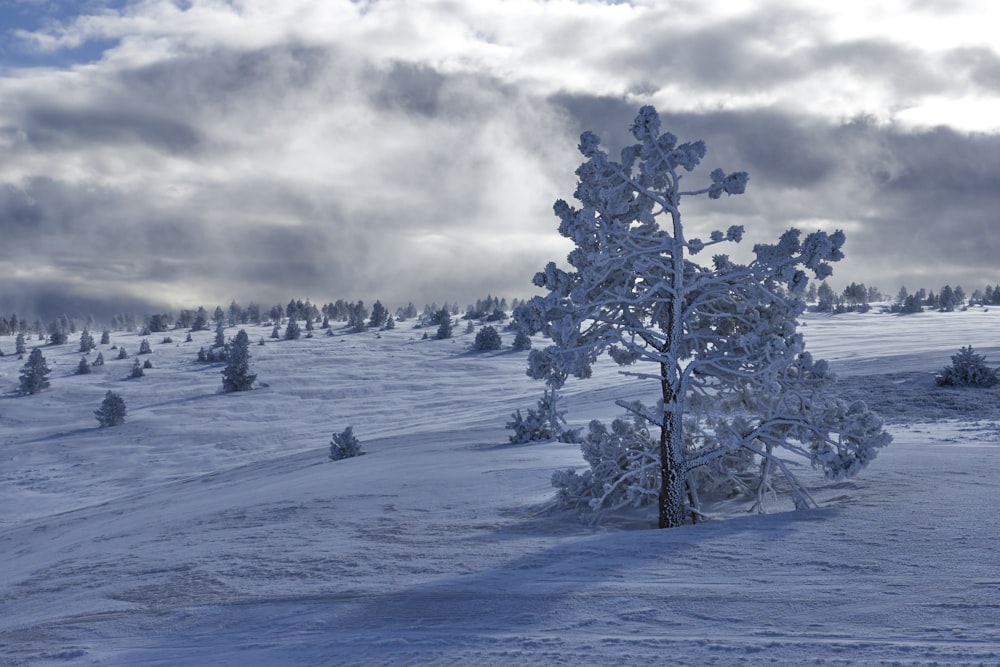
{"x":176,"y":153}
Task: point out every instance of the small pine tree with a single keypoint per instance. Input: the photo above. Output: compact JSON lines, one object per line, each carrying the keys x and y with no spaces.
{"x":544,"y":422}
{"x":20,"y":347}
{"x":522,"y":341}
{"x":202,"y":355}
{"x":105,"y":337}
{"x":34,"y":374}
{"x":292,"y":331}
{"x":390,"y":323}
{"x":84,"y":367}
{"x":122,"y":354}
{"x":344,"y":445}
{"x":379,"y":315}
{"x":444,"y":327}
{"x":967,"y":369}
{"x":276,"y":332}
{"x":144,"y":347}
{"x":188,"y":338}
{"x":236,"y":376}
{"x":99,"y":360}
{"x":86,"y":342}
{"x":487,"y":339}
{"x":112,"y":411}
{"x":220,"y":335}
{"x":147,"y":364}
{"x":137,"y":369}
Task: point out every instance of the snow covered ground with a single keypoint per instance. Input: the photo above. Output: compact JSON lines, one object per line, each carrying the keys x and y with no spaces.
{"x":212,"y":529}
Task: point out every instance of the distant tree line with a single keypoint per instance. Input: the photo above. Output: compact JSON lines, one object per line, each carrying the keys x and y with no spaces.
{"x":353,"y":315}
{"x":857,"y":297}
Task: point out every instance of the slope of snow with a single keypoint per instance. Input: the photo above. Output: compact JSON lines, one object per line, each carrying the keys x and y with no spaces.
{"x":213,"y":529}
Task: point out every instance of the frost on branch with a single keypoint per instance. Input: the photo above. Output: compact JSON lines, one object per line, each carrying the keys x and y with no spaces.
{"x":739,"y":396}
{"x":623,"y":469}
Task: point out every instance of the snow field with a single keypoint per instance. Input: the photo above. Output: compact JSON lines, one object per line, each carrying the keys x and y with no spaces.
{"x":212,"y":528}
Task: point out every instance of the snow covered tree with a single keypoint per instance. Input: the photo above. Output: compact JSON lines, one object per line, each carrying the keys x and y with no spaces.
{"x":236,"y":376}
{"x":522,"y":341}
{"x":220,"y":335}
{"x":112,"y":411}
{"x":825,"y":298}
{"x":99,"y":359}
{"x":487,"y":339}
{"x":292,"y":331}
{"x":344,"y":445}
{"x":719,"y":341}
{"x":379,"y":315}
{"x":968,"y":369}
{"x":200,"y":320}
{"x":34,"y":374}
{"x":20,"y":346}
{"x":356,"y":315}
{"x":443,"y":318}
{"x":58,"y":332}
{"x":83,"y":368}
{"x":137,"y":371}
{"x":122,"y":354}
{"x":86,"y":342}
{"x":144,"y":347}
{"x":543,"y":422}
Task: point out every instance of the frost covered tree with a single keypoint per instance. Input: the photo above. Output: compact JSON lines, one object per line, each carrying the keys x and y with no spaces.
{"x":200,"y":320}
{"x":542,"y":423}
{"x":379,"y":315}
{"x":34,"y":374}
{"x":112,"y":411}
{"x":968,"y":369}
{"x":83,"y":368}
{"x":344,"y":445}
{"x":522,"y":341}
{"x":20,"y":346}
{"x":236,"y":376}
{"x":719,"y":341}
{"x":487,"y":339}
{"x":86,"y":342}
{"x":292,"y":331}
{"x":144,"y":347}
{"x":137,"y":371}
{"x":443,"y":318}
{"x":58,"y":332}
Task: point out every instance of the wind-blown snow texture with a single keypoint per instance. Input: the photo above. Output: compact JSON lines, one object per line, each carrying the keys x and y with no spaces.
{"x":213,"y":528}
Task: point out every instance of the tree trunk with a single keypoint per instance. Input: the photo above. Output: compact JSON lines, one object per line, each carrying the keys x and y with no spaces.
{"x":671,"y":499}
{"x":672,"y":469}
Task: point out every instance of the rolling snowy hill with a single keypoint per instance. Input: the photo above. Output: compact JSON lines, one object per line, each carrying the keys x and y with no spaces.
{"x":213,"y":529}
